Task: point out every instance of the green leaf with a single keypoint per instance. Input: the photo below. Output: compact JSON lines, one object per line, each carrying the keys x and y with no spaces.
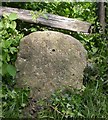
{"x":94,"y":49}
{"x":5,"y":15}
{"x":23,"y":104}
{"x":11,"y":70}
{"x":13,"y":25}
{"x":67,"y":11}
{"x":7,"y":25}
{"x":13,"y":16}
{"x":1,"y":25}
{"x":45,"y":16}
{"x":13,"y":49}
{"x":4,"y":70}
{"x":6,"y":44}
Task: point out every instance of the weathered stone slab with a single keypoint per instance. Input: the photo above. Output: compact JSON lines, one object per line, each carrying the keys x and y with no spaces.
{"x":48,"y":61}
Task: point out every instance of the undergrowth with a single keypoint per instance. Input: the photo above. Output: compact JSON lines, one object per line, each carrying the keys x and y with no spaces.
{"x":92,"y":102}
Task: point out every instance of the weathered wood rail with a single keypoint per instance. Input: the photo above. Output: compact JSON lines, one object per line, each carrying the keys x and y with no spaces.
{"x":52,"y":20}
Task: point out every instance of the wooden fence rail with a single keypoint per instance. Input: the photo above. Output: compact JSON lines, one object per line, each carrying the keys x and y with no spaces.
{"x":51,"y":20}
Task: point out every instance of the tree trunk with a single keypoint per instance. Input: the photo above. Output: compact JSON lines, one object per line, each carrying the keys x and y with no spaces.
{"x":101,"y":14}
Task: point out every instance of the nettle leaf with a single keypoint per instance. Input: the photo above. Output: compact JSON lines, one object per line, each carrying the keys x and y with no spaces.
{"x":7,"y":25}
{"x":6,"y":44}
{"x":23,"y":104}
{"x":13,"y":50}
{"x":13,"y":16}
{"x":4,"y":71}
{"x":5,"y":15}
{"x":45,"y":16}
{"x":94,"y":49}
{"x":11,"y":70}
{"x":67,"y":11}
{"x":13,"y":25}
{"x":8,"y":57}
{"x":3,"y":32}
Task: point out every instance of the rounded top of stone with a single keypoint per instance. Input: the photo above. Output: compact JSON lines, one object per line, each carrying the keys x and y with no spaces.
{"x":49,"y":60}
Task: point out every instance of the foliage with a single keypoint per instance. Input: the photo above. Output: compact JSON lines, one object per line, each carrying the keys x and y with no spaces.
{"x":70,"y":104}
{"x":67,"y":9}
{"x":92,"y":102}
{"x":9,"y":42}
{"x":81,"y":10}
{"x":36,"y":14}
{"x":13,"y":101}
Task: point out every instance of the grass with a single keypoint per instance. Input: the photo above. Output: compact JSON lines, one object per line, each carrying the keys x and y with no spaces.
{"x":92,"y":103}
{"x":13,"y":101}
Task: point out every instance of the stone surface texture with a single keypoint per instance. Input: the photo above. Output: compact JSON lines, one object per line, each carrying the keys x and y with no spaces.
{"x":48,"y":61}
